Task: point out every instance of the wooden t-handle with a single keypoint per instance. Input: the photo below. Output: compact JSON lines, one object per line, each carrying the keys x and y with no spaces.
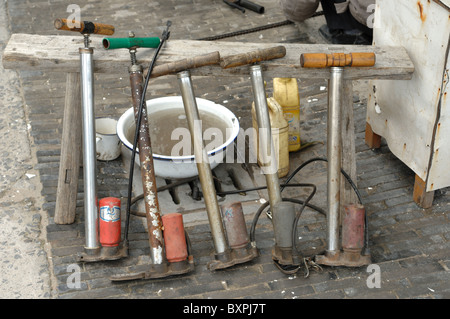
{"x":323,"y":60}
{"x":84,"y":27}
{"x":252,"y":57}
{"x":185,"y":64}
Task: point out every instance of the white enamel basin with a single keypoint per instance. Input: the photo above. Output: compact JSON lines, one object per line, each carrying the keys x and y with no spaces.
{"x":177,"y":167}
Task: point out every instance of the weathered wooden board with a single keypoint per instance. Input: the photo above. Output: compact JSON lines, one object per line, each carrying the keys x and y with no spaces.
{"x":71,"y":143}
{"x":60,"y":54}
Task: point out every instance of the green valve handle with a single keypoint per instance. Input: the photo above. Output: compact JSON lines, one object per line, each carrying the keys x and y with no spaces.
{"x":128,"y":43}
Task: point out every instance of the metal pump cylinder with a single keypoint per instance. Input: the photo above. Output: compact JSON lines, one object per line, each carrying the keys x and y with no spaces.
{"x":267,"y":150}
{"x":334,"y":149}
{"x":353,"y":227}
{"x":174,"y":237}
{"x":234,"y":222}
{"x":109,"y":225}
{"x":89,"y":149}
{"x":202,"y":161}
{"x":283,"y":220}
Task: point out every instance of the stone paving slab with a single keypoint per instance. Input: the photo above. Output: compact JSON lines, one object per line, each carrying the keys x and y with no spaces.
{"x":410,"y":245}
{"x":23,"y":255}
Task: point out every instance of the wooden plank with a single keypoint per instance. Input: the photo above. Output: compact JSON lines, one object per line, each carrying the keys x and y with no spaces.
{"x":60,"y":54}
{"x":70,"y":160}
{"x":348,"y":195}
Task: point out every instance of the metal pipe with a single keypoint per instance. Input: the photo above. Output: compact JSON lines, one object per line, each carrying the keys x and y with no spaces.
{"x":154,"y":222}
{"x":283,"y":219}
{"x":266,"y":147}
{"x":334,"y":150}
{"x":234,"y":221}
{"x":202,"y":161}
{"x":89,"y":149}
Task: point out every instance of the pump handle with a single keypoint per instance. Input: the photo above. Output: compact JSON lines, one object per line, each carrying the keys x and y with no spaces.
{"x":185,"y":64}
{"x":128,"y":43}
{"x":323,"y":60}
{"x":241,"y":59}
{"x":84,"y":27}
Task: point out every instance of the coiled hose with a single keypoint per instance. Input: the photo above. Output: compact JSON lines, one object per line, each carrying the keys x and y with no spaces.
{"x":303,"y":205}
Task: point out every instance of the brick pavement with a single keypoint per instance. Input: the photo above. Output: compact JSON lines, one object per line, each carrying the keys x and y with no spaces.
{"x":409,"y":244}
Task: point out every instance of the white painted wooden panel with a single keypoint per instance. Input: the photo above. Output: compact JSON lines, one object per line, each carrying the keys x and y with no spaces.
{"x":406,"y":113}
{"x":439,"y":175}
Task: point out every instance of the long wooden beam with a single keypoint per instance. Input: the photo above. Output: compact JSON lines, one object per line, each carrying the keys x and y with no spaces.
{"x":57,"y":53}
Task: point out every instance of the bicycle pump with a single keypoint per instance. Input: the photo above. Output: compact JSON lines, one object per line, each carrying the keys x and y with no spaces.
{"x":283,"y":212}
{"x":230,"y":238}
{"x":237,"y":249}
{"x":162,"y":265}
{"x":349,"y":252}
{"x":92,"y":250}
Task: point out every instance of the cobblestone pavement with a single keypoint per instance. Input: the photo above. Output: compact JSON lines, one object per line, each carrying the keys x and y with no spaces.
{"x":410,"y":245}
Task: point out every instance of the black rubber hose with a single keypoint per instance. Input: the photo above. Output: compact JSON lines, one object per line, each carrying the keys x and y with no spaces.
{"x":187,"y":180}
{"x":298,"y":215}
{"x":352,"y":184}
{"x":251,"y":6}
{"x":283,"y":186}
{"x":297,"y":201}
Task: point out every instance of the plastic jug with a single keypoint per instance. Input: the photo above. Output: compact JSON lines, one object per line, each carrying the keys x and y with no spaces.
{"x":280,"y":129}
{"x":285,"y":92}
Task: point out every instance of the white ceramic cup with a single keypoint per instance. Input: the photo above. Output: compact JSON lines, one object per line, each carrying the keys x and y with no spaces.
{"x":107,"y":141}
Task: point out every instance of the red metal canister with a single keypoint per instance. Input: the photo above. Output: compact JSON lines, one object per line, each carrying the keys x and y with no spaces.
{"x":353,"y":227}
{"x":174,"y":237}
{"x":109,"y":227}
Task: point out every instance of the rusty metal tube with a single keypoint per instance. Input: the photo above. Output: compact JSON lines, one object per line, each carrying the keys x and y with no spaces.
{"x":266,"y":150}
{"x":234,"y":221}
{"x":353,"y":226}
{"x":202,"y":161}
{"x":154,"y":222}
{"x":334,"y":149}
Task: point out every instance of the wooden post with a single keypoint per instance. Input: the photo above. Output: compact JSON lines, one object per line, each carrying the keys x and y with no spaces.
{"x":372,"y":139}
{"x":422,"y":198}
{"x":348,"y":195}
{"x":69,"y":168}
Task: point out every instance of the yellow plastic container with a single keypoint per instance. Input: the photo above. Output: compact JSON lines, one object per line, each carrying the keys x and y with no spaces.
{"x":280,"y":135}
{"x":285,"y":92}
